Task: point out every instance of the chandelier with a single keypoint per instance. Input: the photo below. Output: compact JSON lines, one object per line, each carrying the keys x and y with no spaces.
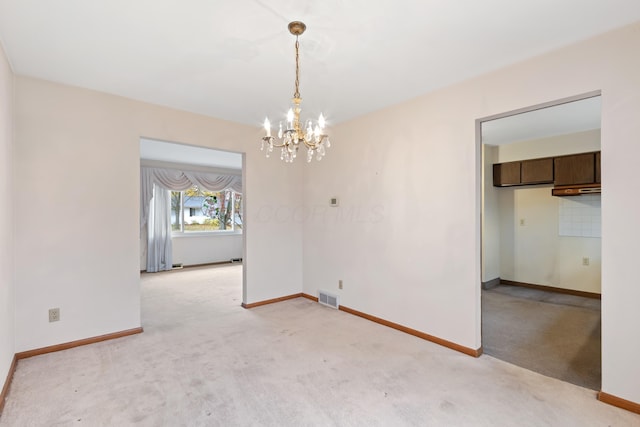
{"x":290,"y":138}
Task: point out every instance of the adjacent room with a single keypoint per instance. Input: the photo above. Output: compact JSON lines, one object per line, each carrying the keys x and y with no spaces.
{"x":541,"y":240}
{"x":200,"y":221}
{"x":333,"y":272}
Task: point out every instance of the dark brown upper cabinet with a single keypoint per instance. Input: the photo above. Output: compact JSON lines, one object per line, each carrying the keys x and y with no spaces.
{"x":575,"y":169}
{"x":537,"y":171}
{"x":505,"y":174}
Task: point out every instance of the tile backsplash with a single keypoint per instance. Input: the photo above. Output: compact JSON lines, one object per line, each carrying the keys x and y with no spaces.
{"x":579,"y":216}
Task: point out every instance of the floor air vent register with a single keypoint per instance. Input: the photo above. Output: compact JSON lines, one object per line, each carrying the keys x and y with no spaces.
{"x":325,"y":298}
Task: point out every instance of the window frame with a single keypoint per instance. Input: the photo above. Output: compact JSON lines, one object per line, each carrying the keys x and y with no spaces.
{"x":234,"y":230}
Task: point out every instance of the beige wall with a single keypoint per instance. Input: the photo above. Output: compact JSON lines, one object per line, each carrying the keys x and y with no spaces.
{"x":417,"y":263}
{"x":578,"y":142}
{"x":535,"y":252}
{"x":194,"y":250}
{"x":198,"y":249}
{"x":77,"y":156}
{"x":7,"y":282}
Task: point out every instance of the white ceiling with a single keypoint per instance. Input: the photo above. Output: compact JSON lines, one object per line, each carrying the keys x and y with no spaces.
{"x":577,"y":116}
{"x":234,"y":59}
{"x":188,"y":154}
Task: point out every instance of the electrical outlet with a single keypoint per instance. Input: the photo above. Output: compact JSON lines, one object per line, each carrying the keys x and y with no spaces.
{"x":339,"y":284}
{"x":585,"y":261}
{"x":54,"y":314}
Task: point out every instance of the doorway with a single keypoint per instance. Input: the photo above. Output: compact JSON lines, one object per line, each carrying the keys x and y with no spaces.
{"x":540,"y":301}
{"x":205,"y":212}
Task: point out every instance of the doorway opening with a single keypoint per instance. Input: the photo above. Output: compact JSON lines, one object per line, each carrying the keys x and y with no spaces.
{"x":202,"y":217}
{"x":541,"y":238}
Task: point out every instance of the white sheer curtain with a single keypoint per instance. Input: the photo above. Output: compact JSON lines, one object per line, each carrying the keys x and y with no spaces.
{"x":159,"y":248}
{"x":156,"y":185}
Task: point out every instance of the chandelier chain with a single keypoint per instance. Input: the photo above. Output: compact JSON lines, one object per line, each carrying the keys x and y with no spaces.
{"x":296,"y":94}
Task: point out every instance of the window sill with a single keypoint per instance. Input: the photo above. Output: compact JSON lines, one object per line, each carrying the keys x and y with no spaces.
{"x":205,"y":234}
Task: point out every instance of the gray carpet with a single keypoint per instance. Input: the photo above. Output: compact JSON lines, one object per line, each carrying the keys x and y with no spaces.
{"x":554,"y":334}
{"x":205,"y":361}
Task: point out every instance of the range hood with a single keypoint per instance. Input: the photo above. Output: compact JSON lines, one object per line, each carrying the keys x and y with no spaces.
{"x":576,"y":190}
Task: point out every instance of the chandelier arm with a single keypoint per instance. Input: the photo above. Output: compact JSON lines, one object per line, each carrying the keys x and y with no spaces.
{"x":270,"y":139}
{"x":313,"y":145}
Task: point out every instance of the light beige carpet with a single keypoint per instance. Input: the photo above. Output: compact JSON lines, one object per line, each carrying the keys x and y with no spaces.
{"x":205,"y":361}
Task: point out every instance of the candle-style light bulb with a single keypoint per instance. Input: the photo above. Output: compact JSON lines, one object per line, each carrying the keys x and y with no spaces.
{"x":321,"y":121}
{"x":290,"y":118}
{"x":267,"y":126}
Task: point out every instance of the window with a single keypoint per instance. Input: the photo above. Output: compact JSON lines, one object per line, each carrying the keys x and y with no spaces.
{"x":195,"y":210}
